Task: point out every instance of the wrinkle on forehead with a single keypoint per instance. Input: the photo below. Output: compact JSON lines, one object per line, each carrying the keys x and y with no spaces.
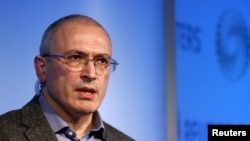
{"x":78,"y":36}
{"x":71,"y":25}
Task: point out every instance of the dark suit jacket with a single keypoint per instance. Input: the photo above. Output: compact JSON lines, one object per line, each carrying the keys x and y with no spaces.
{"x":30,"y":124}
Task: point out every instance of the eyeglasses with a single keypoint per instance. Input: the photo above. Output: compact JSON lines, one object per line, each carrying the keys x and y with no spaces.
{"x":76,"y":62}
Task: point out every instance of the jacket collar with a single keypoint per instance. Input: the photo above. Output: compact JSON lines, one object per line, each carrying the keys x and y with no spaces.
{"x":38,"y":127}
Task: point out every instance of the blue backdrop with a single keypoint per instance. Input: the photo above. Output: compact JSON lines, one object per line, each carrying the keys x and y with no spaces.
{"x":135,"y":101}
{"x":212,"y":65}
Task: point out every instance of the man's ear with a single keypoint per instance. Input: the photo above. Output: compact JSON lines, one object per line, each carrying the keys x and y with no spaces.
{"x":39,"y":63}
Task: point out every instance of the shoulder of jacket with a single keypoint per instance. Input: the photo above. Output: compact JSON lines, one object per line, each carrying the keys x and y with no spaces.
{"x":112,"y":134}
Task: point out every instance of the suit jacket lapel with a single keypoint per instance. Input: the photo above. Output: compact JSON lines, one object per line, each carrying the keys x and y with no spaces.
{"x":34,"y":119}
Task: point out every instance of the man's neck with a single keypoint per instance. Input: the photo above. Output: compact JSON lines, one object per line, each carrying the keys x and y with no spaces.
{"x":80,"y":123}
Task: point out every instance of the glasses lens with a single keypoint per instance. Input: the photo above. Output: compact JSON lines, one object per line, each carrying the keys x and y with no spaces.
{"x":77,"y":62}
{"x":113,"y":65}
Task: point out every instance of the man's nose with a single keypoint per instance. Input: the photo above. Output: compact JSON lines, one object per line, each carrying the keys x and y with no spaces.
{"x":89,"y":69}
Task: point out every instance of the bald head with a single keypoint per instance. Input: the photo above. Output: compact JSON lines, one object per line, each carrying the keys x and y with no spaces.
{"x":49,"y":36}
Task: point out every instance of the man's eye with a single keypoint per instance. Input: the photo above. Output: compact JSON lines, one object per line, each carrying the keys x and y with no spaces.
{"x":75,"y":57}
{"x":103,"y":61}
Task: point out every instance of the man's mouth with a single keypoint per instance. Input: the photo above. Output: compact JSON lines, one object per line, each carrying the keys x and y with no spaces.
{"x":86,"y":89}
{"x":86,"y":92}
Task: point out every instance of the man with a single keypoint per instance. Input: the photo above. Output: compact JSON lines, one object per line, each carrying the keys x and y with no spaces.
{"x":73,"y":69}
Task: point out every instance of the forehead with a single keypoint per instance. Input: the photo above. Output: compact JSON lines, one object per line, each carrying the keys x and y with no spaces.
{"x":83,"y":37}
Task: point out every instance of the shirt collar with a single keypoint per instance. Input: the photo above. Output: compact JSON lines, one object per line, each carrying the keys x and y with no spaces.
{"x":57,"y":123}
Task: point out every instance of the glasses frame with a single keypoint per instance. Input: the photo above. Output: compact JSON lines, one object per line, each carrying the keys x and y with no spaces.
{"x":111,"y":62}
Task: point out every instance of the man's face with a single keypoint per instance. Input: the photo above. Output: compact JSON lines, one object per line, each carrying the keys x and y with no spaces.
{"x":77,"y":93}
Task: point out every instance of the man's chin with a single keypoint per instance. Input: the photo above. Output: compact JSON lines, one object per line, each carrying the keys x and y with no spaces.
{"x":87,"y":110}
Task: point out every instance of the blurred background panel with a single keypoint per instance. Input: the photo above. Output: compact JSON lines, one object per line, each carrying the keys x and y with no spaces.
{"x":212,"y":65}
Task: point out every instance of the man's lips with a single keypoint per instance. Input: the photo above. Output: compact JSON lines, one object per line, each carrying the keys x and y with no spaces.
{"x":86,"y":92}
{"x":86,"y":89}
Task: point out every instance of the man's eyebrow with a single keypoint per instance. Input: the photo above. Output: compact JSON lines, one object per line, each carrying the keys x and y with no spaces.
{"x":75,"y":51}
{"x":85,"y":54}
{"x":105,"y":55}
